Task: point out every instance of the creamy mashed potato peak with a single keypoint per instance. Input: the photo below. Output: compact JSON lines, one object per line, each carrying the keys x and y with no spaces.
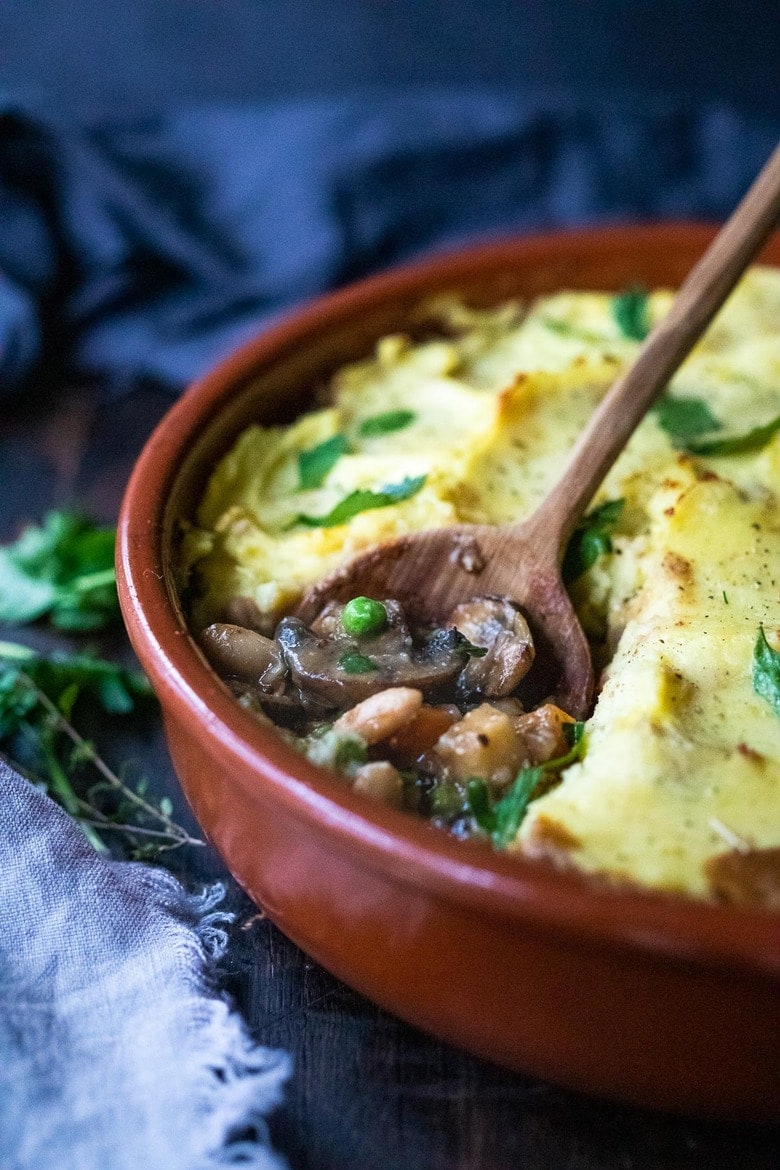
{"x":683,"y":755}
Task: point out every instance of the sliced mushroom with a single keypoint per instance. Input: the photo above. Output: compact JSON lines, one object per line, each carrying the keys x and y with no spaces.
{"x":496,"y":625}
{"x":244,"y":611}
{"x":244,"y":654}
{"x":341,"y":669}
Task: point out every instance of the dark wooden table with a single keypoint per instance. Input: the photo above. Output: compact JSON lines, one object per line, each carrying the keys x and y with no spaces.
{"x":369,"y":1092}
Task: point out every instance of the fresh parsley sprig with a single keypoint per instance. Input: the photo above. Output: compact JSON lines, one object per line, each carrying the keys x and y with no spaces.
{"x":63,"y":569}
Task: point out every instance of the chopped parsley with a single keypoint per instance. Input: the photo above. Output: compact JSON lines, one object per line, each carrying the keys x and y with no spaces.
{"x":630,"y":310}
{"x":363,"y":500}
{"x":566,"y":329}
{"x":315,"y":463}
{"x":502,"y":820}
{"x":349,"y":752}
{"x":472,"y":651}
{"x":386,"y":423}
{"x":684,"y":420}
{"x":752,"y":440}
{"x":766,"y":671}
{"x":353,"y":662}
{"x":591,"y":539}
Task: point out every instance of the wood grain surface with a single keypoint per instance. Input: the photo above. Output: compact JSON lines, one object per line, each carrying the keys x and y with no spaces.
{"x":369,"y":1092}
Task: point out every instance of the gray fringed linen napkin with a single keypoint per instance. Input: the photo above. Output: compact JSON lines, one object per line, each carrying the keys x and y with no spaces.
{"x":116,"y":1050}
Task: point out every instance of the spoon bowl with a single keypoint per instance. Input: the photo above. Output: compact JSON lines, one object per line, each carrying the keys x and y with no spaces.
{"x":431,"y":572}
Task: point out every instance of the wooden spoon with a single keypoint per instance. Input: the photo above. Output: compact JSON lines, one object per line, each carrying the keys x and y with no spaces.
{"x":431,"y":572}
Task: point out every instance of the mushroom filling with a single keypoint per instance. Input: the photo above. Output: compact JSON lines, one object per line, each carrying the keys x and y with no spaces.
{"x":423,"y":719}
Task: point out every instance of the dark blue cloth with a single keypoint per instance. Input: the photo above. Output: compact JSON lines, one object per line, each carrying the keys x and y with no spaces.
{"x":145,"y":249}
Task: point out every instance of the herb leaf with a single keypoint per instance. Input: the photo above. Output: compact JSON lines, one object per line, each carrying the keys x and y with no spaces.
{"x":566,"y":329}
{"x":684,"y":419}
{"x":65,"y":677}
{"x":511,"y":808}
{"x":63,"y":568}
{"x":630,"y":311}
{"x":350,"y":751}
{"x":384,"y":424}
{"x":353,"y":662}
{"x":363,"y":500}
{"x":480,"y":806}
{"x":766,"y":671}
{"x":591,"y":539}
{"x":503,"y":819}
{"x":37,"y":696}
{"x":315,"y":463}
{"x":472,"y":651}
{"x":736,"y":444}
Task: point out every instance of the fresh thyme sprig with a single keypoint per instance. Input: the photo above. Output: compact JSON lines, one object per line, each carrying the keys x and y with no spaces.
{"x":37,"y":696}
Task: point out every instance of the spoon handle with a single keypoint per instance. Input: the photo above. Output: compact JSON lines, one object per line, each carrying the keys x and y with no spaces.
{"x":623,"y":407}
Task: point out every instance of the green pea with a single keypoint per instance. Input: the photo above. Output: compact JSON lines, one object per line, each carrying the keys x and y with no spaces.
{"x":362,"y":616}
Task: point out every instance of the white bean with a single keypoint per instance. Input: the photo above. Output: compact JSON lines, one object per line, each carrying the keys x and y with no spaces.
{"x":381,"y":715}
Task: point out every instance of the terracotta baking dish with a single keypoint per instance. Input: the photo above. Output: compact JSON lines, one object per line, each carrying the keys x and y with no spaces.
{"x":636,"y":996}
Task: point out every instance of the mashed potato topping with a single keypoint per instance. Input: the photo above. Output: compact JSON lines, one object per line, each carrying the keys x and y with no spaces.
{"x":682,"y":763}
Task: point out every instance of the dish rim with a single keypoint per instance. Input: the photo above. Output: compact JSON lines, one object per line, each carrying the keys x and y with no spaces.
{"x":512,"y":887}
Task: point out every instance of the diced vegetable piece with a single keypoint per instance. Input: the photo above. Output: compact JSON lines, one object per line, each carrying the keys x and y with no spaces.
{"x":419,"y":736}
{"x":380,"y":781}
{"x":483,"y":743}
{"x":542,"y":733}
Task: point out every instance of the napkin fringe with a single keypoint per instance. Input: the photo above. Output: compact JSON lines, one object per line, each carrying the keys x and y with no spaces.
{"x":243,"y":1080}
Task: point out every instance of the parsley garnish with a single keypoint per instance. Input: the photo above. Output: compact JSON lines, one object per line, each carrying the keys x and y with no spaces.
{"x":472,"y":651}
{"x":766,"y":671}
{"x":350,"y":751}
{"x":630,"y":311}
{"x":314,"y":464}
{"x":353,"y":662}
{"x":63,"y":568}
{"x":566,"y":329}
{"x":502,"y":819}
{"x":737,"y":444}
{"x":384,"y":424}
{"x":363,"y":500}
{"x":591,"y":539}
{"x":684,"y":419}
